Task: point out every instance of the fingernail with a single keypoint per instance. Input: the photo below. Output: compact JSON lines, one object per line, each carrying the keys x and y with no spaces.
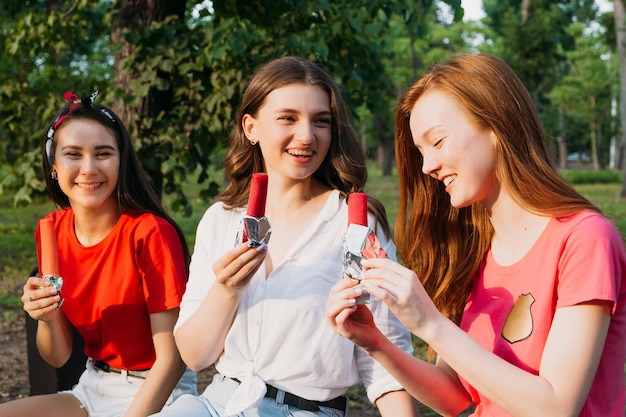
{"x":351,"y":301}
{"x":262,"y":247}
{"x":358,"y":290}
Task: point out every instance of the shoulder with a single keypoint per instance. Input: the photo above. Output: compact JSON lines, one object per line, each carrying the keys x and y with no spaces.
{"x":588,"y":224}
{"x":219,"y":212}
{"x":60,"y":215}
{"x":589,"y":237}
{"x":144,"y":223}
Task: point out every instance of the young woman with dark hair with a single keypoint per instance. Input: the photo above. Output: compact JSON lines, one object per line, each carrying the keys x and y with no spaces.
{"x":123,"y":262}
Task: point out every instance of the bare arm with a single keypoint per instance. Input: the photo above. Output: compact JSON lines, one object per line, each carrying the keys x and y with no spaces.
{"x":568,"y":365}
{"x":54,"y":334}
{"x":435,"y":385}
{"x":166,"y":371}
{"x":397,"y":404}
{"x":201,"y":338}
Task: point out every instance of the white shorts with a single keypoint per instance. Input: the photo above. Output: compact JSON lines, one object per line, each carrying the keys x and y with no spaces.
{"x":109,"y":394}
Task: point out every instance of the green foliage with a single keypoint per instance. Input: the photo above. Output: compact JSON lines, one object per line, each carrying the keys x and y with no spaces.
{"x":581,"y":176}
{"x":200,"y":65}
{"x":43,"y":55}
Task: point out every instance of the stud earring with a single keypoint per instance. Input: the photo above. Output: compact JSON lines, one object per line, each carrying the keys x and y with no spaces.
{"x":53,"y":174}
{"x":253,"y":142}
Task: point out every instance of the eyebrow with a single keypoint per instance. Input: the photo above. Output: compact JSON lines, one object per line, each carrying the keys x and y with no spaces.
{"x":287,"y":110}
{"x":98,"y":148}
{"x":428,"y":131}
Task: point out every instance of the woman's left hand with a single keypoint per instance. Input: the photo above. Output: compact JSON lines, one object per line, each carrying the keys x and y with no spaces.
{"x":351,"y":320}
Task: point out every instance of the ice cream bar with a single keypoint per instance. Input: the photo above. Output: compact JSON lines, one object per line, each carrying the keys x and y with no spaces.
{"x":49,"y":250}
{"x":357,"y":209}
{"x":258,"y":195}
{"x":255,"y":227}
{"x":50,"y":255}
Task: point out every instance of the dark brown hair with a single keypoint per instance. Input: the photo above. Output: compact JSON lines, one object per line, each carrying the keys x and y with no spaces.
{"x":344,"y":167}
{"x":134,"y":191}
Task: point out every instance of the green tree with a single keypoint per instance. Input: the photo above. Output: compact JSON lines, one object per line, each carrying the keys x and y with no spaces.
{"x":532,"y":37}
{"x":620,"y":37}
{"x":178,"y":76}
{"x":586,"y":91}
{"x":45,"y":52}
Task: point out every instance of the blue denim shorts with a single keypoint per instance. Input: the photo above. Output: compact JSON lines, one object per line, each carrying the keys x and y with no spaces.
{"x":213,"y":402}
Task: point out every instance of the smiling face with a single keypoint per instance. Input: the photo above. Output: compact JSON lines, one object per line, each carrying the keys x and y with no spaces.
{"x":454,"y":150}
{"x":293,"y":129}
{"x":87,"y":162}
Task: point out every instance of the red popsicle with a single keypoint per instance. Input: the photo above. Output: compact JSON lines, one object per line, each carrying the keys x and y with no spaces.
{"x":357,"y":209}
{"x":258,"y":195}
{"x":49,"y":249}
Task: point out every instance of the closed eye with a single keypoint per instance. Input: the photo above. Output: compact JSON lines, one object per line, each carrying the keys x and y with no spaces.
{"x":323,"y":122}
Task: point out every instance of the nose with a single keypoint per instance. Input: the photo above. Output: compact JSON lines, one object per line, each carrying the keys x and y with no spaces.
{"x":430,"y":165}
{"x":305,"y":132}
{"x":88,"y":165}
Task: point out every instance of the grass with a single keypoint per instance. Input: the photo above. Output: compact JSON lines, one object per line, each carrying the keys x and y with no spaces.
{"x":17,"y":225}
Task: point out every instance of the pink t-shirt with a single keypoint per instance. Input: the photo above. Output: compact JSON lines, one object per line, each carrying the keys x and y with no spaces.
{"x":510,"y":309}
{"x":111,"y":288}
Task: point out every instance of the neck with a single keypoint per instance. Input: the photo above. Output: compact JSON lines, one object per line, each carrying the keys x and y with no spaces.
{"x":284,"y":198}
{"x":516,"y":229}
{"x":91,"y":226}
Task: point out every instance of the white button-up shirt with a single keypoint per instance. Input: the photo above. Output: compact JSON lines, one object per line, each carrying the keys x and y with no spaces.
{"x":279,"y":335}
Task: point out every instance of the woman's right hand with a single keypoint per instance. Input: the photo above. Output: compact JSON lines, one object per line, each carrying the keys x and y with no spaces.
{"x":201,"y":342}
{"x":41,"y":299}
{"x":235,"y":268}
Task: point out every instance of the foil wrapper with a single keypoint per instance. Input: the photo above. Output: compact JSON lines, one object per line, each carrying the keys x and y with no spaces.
{"x":57,"y":282}
{"x":359,"y":242}
{"x":353,"y":243}
{"x":254,"y":230}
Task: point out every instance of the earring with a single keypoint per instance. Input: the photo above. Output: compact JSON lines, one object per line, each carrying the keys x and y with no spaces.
{"x":53,"y":174}
{"x":253,"y":142}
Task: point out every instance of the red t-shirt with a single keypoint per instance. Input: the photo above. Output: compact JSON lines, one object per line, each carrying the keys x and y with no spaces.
{"x":576,"y":259}
{"x":111,"y":288}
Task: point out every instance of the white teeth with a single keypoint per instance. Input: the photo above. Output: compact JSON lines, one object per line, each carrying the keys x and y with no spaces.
{"x":448,"y":180}
{"x":89,"y":186}
{"x":300,"y":153}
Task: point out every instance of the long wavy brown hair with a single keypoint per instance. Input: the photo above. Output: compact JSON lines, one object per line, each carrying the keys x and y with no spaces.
{"x":344,"y":167}
{"x":445,"y":245}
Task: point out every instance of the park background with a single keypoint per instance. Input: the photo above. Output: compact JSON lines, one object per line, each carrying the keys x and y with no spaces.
{"x":175,"y":70}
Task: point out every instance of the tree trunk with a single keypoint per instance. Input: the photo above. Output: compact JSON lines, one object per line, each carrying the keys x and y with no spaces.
{"x":525,"y":7}
{"x":593,"y":130}
{"x":385,"y":147}
{"x":620,"y":33}
{"x":134,"y":15}
{"x":562,"y":140}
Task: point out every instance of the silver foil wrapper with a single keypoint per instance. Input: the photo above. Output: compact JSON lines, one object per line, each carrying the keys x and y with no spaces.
{"x":57,"y":282}
{"x":354,"y":241}
{"x":254,"y":230}
{"x":359,"y":242}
